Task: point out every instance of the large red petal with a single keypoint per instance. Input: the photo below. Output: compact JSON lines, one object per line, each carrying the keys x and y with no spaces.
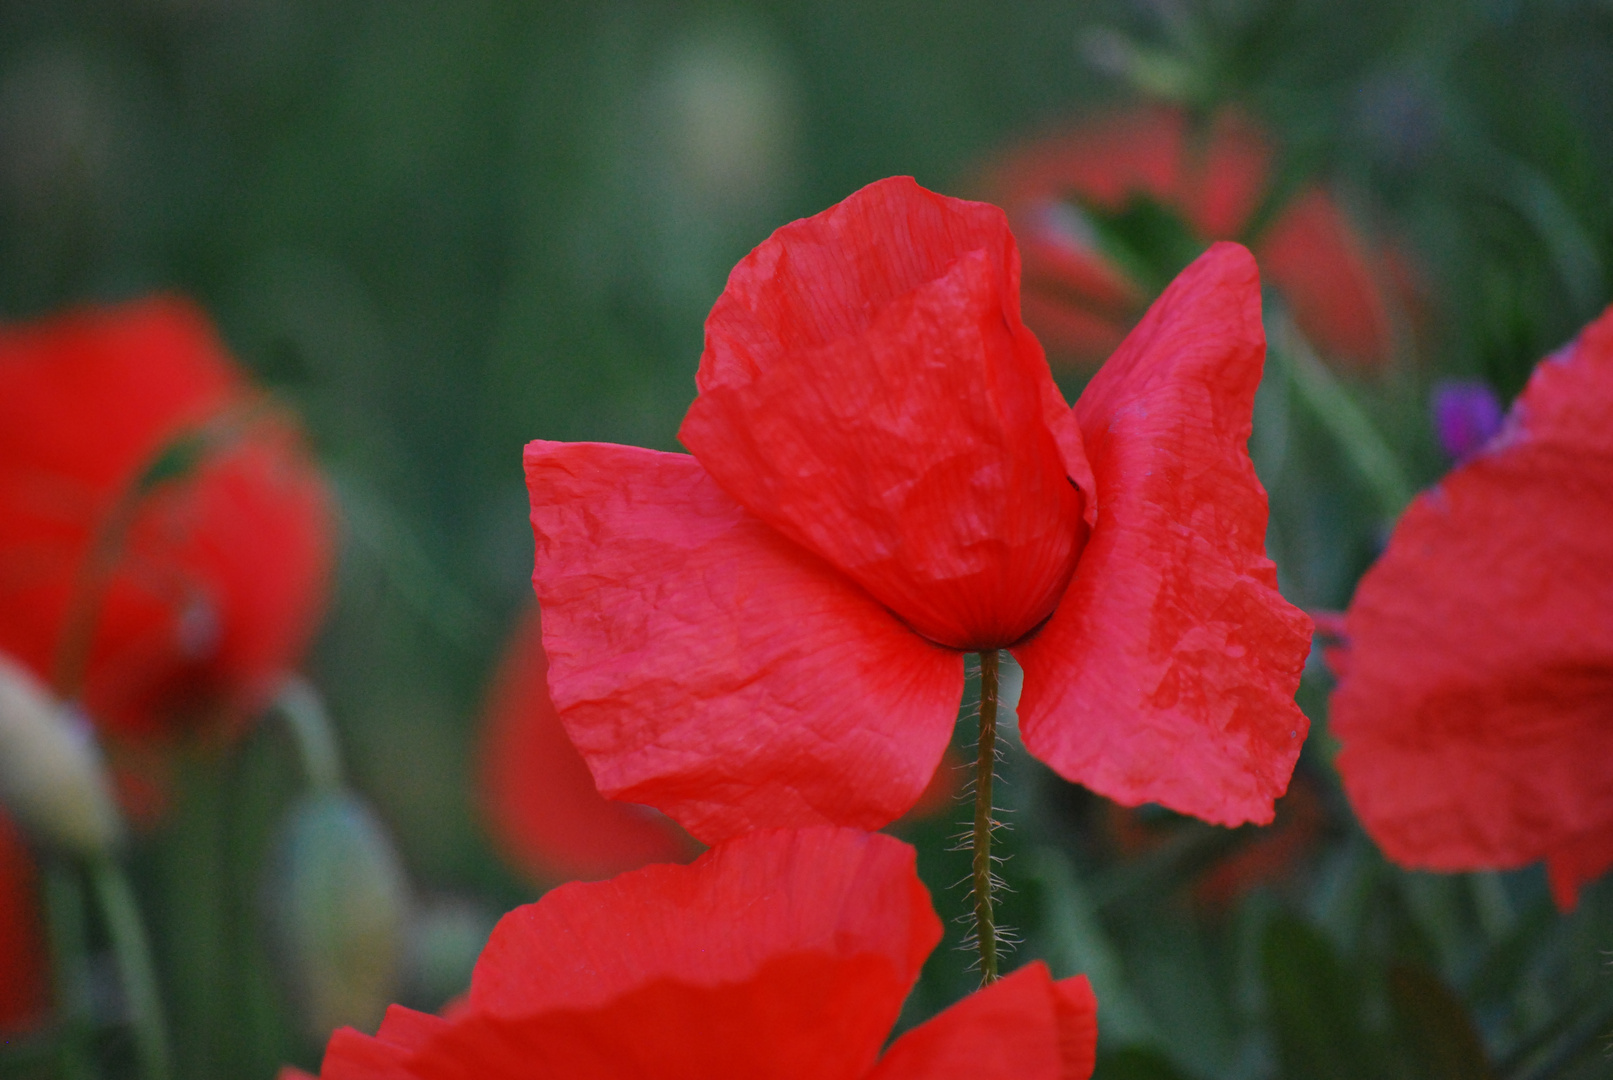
{"x":798,"y":1017}
{"x":539,"y":796}
{"x":1167,"y":673}
{"x":715,"y":921}
{"x":707,"y":666}
{"x":1474,"y":713}
{"x":1023,"y":1027}
{"x":868,"y":390}
{"x":777,"y":954}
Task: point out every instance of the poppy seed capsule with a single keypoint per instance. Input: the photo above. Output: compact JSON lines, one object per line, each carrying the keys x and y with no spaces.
{"x":339,"y":906}
{"x":51,"y":773}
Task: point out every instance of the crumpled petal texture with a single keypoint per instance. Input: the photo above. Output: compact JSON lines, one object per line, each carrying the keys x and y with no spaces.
{"x":868,"y":390}
{"x":1475,"y":712}
{"x":762,"y":635}
{"x":540,"y":799}
{"x":707,"y":666}
{"x":777,"y":955}
{"x":222,"y":576}
{"x":1167,"y":673}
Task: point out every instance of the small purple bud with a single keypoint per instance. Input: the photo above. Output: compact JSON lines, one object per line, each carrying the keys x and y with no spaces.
{"x":1467,"y":414}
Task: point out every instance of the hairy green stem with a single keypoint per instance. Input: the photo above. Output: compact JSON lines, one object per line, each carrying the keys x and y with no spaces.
{"x":985,"y":922}
{"x":135,"y":967}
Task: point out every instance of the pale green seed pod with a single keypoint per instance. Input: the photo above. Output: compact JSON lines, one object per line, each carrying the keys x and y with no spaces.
{"x":52,"y":776}
{"x":339,"y":911}
{"x":445,"y":939}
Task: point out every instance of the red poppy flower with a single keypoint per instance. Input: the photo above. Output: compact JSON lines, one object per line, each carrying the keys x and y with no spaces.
{"x":1474,"y":701}
{"x":24,"y":975}
{"x":884,"y":476}
{"x":1082,"y":301}
{"x":777,"y":954}
{"x":196,"y":593}
{"x":539,"y":798}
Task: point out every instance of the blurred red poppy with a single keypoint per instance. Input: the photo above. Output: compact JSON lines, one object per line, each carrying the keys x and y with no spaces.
{"x":777,"y":954}
{"x":1267,"y":857}
{"x":884,"y":475}
{"x":165,"y":539}
{"x":24,"y":974}
{"x":1081,"y":296}
{"x":1473,"y":700}
{"x":538,"y":796}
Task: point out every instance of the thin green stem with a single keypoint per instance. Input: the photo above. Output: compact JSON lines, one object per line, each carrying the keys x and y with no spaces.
{"x":139,"y":974}
{"x":304,"y":712}
{"x":985,"y":921}
{"x":1568,"y":1041}
{"x":64,"y":921}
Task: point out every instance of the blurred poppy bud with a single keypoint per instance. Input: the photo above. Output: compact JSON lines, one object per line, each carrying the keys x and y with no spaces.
{"x":51,"y":773}
{"x":1467,"y":413}
{"x":446,"y":936}
{"x":165,"y":535}
{"x":339,"y":909}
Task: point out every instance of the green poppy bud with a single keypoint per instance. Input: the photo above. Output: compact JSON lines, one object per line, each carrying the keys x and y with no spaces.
{"x":51,"y":773}
{"x":339,"y":909}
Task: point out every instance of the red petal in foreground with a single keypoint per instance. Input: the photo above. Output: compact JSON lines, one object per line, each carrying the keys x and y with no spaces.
{"x":217,"y":584}
{"x":1474,"y":712}
{"x":539,"y":797}
{"x":1023,"y":1027}
{"x":706,"y":666}
{"x":777,"y":954}
{"x":783,"y":955}
{"x":1167,"y":673}
{"x":868,"y":390}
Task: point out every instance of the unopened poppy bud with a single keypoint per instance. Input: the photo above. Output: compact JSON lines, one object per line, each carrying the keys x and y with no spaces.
{"x":446,"y":936}
{"x":339,"y":908}
{"x":51,"y":773}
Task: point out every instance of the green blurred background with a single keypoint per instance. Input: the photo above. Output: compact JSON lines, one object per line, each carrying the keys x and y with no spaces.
{"x":443,"y":229}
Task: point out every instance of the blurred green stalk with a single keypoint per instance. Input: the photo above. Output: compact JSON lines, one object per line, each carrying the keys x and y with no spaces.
{"x":135,"y":967}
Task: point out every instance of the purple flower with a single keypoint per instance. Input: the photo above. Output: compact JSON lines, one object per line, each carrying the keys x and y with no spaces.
{"x":1466,"y":414}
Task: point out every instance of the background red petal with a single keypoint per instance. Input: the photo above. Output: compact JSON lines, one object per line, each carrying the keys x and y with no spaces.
{"x":1167,"y":673}
{"x":538,"y":795}
{"x":1318,"y":261}
{"x":1474,"y":709}
{"x":706,"y":666}
{"x":223,"y":573}
{"x":868,"y":390}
